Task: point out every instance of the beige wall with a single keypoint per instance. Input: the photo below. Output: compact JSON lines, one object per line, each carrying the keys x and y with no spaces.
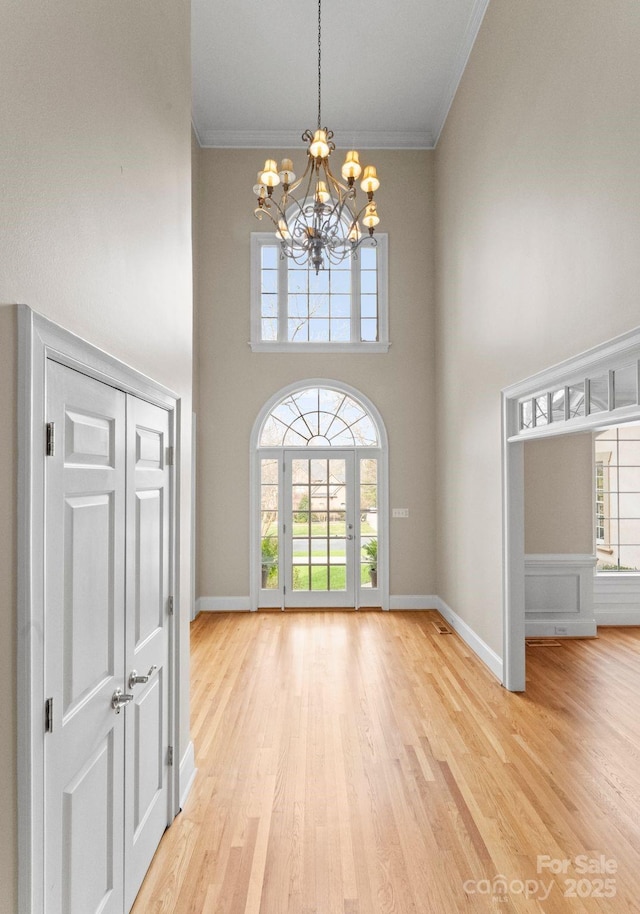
{"x":538,"y":232}
{"x":558,"y":505}
{"x":96,"y":235}
{"x":195,"y":197}
{"x":235,"y":383}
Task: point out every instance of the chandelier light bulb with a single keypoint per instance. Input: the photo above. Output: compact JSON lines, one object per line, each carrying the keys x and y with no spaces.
{"x":370,"y":182}
{"x":322,"y":194}
{"x":355,"y":234}
{"x":287,"y":174}
{"x":371,"y":218}
{"x":351,"y":167}
{"x":258,"y":188}
{"x":319,"y":147}
{"x":270,"y":176}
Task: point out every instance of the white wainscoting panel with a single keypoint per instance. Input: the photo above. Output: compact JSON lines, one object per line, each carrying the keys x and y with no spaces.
{"x":616,"y":599}
{"x":559,"y":595}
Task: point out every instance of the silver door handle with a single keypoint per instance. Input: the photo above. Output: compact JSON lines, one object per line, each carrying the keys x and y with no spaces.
{"x":349,"y":536}
{"x":134,"y":679}
{"x":118,"y":700}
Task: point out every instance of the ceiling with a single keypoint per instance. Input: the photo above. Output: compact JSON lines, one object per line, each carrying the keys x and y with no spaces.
{"x":389,"y":70}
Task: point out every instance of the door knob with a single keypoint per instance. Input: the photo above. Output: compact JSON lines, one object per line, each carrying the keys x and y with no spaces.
{"x":349,"y":536}
{"x":134,"y":679}
{"x":118,"y":700}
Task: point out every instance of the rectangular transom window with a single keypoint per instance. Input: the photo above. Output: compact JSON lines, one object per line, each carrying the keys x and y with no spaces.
{"x":341,"y":308}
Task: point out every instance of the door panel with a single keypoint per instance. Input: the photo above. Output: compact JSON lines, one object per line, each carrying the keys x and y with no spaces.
{"x":147,"y":637}
{"x":108,"y":508}
{"x":84,"y":645}
{"x":319,"y":529}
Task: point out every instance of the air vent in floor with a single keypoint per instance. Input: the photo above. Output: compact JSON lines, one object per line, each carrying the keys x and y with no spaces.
{"x":441,"y":628}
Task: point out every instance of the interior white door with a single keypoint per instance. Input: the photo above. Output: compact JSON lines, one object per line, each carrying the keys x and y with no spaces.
{"x":147,"y":638}
{"x":84,"y":645}
{"x":107,"y":627}
{"x":319,"y":528}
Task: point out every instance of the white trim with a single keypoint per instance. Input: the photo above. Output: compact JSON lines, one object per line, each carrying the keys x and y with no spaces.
{"x":479,"y":647}
{"x":459,"y":65}
{"x":414,"y":602}
{"x":608,"y":356}
{"x":223,"y":604}
{"x":38,"y":341}
{"x":560,"y":558}
{"x":620,"y":617}
{"x":213,"y":138}
{"x":575,"y":628}
{"x":187,"y":774}
{"x":613,"y":353}
{"x":381,"y":452}
{"x":308,"y":348}
{"x":194,"y":127}
{"x":559,"y":595}
{"x":616,"y":599}
{"x":513,"y":628}
{"x":258,"y":241}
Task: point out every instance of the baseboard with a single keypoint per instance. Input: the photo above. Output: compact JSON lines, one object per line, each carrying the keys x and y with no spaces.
{"x":243,"y":604}
{"x":573,"y":628}
{"x":475,"y":642}
{"x":414,"y":601}
{"x":223,"y":605}
{"x":618,"y":617}
{"x":187,"y":774}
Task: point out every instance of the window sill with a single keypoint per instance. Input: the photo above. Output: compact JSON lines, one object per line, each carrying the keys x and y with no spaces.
{"x":306,"y":348}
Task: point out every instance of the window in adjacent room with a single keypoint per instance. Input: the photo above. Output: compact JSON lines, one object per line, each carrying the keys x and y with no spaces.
{"x":342,"y":308}
{"x":617,"y":499}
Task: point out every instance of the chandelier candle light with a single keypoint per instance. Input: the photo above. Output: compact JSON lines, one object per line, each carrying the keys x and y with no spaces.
{"x":323,"y":227}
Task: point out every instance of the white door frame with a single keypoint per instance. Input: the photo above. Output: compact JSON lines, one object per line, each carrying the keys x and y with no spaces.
{"x":381,"y":453}
{"x":602,"y":360}
{"x":38,"y":341}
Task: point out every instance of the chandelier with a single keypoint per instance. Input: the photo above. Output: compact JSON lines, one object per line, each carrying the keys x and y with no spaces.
{"x":323,"y":226}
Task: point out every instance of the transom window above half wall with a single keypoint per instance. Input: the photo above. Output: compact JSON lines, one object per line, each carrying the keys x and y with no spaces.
{"x":341,"y":308}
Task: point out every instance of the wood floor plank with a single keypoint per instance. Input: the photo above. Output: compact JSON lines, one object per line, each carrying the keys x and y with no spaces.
{"x":364,"y":763}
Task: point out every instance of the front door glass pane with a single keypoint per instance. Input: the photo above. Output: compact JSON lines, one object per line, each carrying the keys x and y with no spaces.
{"x":269,"y":522}
{"x":318,"y":524}
{"x":368,"y":513}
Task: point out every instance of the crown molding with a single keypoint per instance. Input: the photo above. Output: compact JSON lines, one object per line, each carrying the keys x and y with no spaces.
{"x":459,"y":66}
{"x":285,"y":139}
{"x":194,"y":127}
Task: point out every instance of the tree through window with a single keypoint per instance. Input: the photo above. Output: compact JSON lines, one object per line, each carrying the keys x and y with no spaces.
{"x":319,"y":417}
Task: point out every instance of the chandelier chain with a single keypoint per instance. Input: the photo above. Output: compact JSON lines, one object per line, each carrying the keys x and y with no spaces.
{"x":321,"y":226}
{"x":319,"y":62}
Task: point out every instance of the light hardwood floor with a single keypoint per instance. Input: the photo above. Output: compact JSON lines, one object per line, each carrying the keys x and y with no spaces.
{"x":361,"y":763}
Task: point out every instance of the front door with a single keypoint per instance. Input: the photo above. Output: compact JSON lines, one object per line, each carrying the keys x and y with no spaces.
{"x":319,"y":529}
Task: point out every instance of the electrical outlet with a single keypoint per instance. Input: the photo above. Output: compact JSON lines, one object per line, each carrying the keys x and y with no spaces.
{"x":560,"y":630}
{"x":399,"y":512}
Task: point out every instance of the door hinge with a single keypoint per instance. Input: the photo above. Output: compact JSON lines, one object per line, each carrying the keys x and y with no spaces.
{"x":284,"y":588}
{"x":170,"y":605}
{"x":170,"y":456}
{"x":51,"y":439}
{"x":48,"y":715}
{"x":170,"y":755}
{"x":284,"y":528}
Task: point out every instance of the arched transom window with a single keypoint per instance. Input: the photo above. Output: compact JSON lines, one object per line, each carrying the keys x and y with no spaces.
{"x":319,"y":417}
